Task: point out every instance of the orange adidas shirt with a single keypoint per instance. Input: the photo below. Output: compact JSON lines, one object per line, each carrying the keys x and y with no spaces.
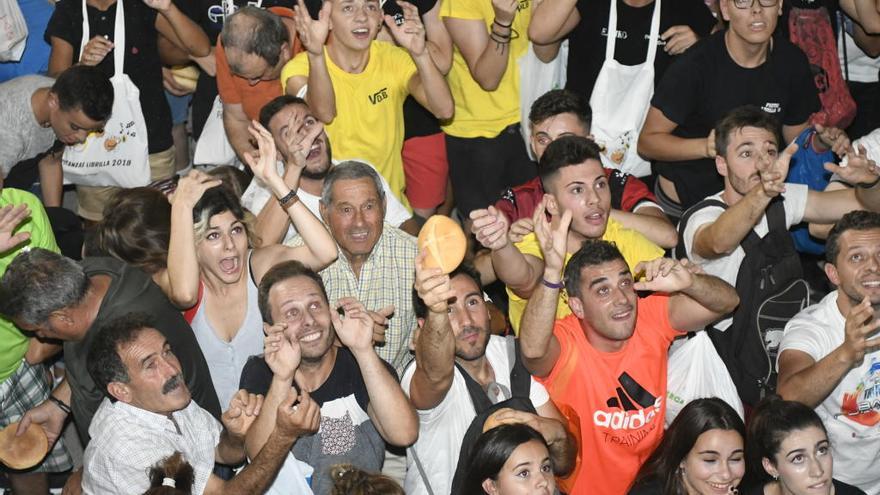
{"x":615,"y":402}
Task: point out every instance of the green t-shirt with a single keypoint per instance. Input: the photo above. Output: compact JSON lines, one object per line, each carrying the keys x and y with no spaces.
{"x":13,"y":344}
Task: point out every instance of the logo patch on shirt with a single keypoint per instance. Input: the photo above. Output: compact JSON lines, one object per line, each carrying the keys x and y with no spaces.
{"x":637,"y":414}
{"x":379,"y":96}
{"x":772,"y":107}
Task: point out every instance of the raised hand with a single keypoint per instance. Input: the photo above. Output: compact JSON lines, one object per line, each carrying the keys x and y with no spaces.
{"x":663,"y":275}
{"x":520,"y":229}
{"x":552,"y":236}
{"x":833,"y":138}
{"x":432,"y":286}
{"x":300,"y":419}
{"x":490,"y":227}
{"x":243,"y":410}
{"x":411,"y":33}
{"x":678,"y":39}
{"x":857,"y":168}
{"x":711,"y":152}
{"x":299,"y":136}
{"x":11,"y":217}
{"x":160,"y":5}
{"x":380,"y":323}
{"x":773,"y":171}
{"x":861,"y":323}
{"x":262,"y":161}
{"x":550,"y":429}
{"x":312,"y":33}
{"x":48,"y":416}
{"x":95,"y":50}
{"x":505,"y":10}
{"x":282,"y":355}
{"x":191,"y":188}
{"x":355,"y":329}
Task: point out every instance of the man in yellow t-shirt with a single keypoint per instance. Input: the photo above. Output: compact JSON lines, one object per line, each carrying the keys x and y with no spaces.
{"x":357,"y":85}
{"x":484,"y":146}
{"x":576,"y":186}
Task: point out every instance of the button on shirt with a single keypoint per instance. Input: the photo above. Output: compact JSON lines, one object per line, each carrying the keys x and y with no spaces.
{"x":127,"y":441}
{"x":386,"y":278}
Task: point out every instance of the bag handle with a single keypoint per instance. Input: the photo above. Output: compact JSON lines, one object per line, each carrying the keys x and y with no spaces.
{"x":118,"y":36}
{"x":611,"y":40}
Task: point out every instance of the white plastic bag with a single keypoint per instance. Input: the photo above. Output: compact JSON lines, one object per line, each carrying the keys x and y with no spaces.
{"x":696,"y":371}
{"x":535,"y":79}
{"x":13,"y":31}
{"x":119,"y":156}
{"x":213,"y":147}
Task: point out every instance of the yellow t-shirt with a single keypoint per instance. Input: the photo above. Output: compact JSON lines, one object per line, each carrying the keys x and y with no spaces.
{"x":480,"y":113}
{"x":634,"y":247}
{"x":369,"y":109}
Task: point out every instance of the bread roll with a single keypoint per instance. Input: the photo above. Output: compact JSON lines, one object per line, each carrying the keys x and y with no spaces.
{"x":444,"y":241}
{"x":25,"y":451}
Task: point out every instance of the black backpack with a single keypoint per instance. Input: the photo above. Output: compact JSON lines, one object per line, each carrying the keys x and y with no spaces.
{"x":520,"y":386}
{"x":772,"y":290}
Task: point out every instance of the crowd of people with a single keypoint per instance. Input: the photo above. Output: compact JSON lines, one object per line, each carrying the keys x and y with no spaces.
{"x":210,"y":280}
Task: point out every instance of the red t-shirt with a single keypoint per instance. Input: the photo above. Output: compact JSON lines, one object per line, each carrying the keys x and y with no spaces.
{"x":236,"y":90}
{"x":614,"y":402}
{"x":627,"y":192}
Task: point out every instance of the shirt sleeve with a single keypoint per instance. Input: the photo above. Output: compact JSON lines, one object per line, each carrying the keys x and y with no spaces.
{"x":795,"y":203}
{"x":225,"y":84}
{"x":655,"y":310}
{"x":64,"y":24}
{"x":635,"y":192}
{"x":805,"y":337}
{"x":39,"y":226}
{"x":699,"y":17}
{"x":461,"y":9}
{"x":298,"y":66}
{"x":401,"y":65}
{"x":706,"y":215}
{"x":529,"y":245}
{"x":256,"y":376}
{"x":803,"y":98}
{"x":538,"y":394}
{"x":676,"y":95}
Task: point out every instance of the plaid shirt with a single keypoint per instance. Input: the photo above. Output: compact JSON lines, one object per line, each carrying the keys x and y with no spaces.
{"x":387,"y":277}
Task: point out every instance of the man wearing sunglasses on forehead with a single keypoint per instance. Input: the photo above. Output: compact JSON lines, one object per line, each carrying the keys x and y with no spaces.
{"x":741,"y":65}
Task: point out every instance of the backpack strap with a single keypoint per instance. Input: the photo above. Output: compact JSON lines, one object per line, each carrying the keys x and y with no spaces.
{"x":680,"y":249}
{"x":520,"y":378}
{"x":475,"y":390}
{"x":421,"y":468}
{"x":775,"y":213}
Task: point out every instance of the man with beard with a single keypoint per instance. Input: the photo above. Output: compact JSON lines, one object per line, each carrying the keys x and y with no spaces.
{"x":288,"y":118}
{"x":756,"y":208}
{"x":830,"y":355}
{"x":361,"y":404}
{"x":148,"y":414}
{"x":453,"y":338}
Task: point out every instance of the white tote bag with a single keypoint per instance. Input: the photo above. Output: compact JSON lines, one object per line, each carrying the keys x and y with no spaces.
{"x":119,"y":156}
{"x":535,"y":79}
{"x":696,"y":371}
{"x":213,"y":147}
{"x":620,"y":101}
{"x":13,"y":31}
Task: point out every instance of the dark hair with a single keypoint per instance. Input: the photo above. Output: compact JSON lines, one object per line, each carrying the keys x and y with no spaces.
{"x":564,"y":152}
{"x":215,"y":201}
{"x":465,"y":268}
{"x":592,"y":252}
{"x":696,"y":418}
{"x":235,"y":179}
{"x":255,"y":31}
{"x":279,"y":273}
{"x":103,"y":360}
{"x":277,"y":104}
{"x":558,"y":101}
{"x":39,"y":282}
{"x":772,"y":421}
{"x":85,"y":88}
{"x":136,"y":229}
{"x":492,"y":450}
{"x":349,"y":480}
{"x":854,"y":220}
{"x":741,"y":117}
{"x":175,"y":468}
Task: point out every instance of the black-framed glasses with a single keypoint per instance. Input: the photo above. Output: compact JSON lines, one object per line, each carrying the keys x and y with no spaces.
{"x":747,"y":4}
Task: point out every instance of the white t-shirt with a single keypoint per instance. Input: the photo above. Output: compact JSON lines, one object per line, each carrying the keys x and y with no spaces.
{"x":862,"y":68}
{"x":442,"y":429}
{"x":727,"y":267}
{"x":257,"y":194}
{"x":851,"y":413}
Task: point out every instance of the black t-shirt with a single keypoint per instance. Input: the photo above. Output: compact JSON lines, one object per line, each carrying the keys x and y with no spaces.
{"x":705,"y":84}
{"x":141,"y":62}
{"x":346,"y":435}
{"x":131,"y":290}
{"x":840,"y":488}
{"x":586,"y":49}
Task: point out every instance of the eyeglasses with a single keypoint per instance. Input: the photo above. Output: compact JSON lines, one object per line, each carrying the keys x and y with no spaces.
{"x":747,"y":4}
